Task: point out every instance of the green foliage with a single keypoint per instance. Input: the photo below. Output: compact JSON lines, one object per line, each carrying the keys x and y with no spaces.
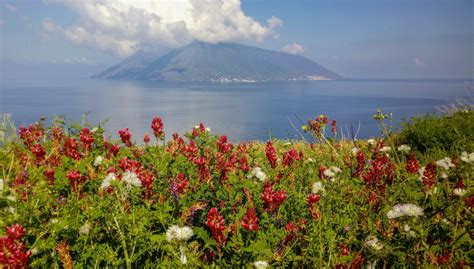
{"x":450,"y":132}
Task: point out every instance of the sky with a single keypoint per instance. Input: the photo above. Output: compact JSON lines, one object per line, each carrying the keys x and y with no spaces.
{"x":354,"y":38}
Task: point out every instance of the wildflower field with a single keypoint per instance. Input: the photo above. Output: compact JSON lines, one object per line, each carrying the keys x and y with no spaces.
{"x":70,"y":196}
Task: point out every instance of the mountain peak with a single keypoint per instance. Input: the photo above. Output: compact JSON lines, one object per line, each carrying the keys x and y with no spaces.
{"x":220,"y":62}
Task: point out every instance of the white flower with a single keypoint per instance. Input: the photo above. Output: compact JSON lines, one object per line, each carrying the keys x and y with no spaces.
{"x":467,"y":158}
{"x":2,"y":183}
{"x":445,"y":163}
{"x":336,"y":169}
{"x":371,"y":265}
{"x":329,"y":173}
{"x":108,"y":180}
{"x":260,"y":264}
{"x":131,"y":179}
{"x":409,"y":210}
{"x":258,"y":173}
{"x":386,"y":149}
{"x":178,"y":233}
{"x":373,"y":242}
{"x":208,"y":129}
{"x":310,"y":160}
{"x":98,"y":160}
{"x":318,"y":187}
{"x":459,"y":192}
{"x":406,"y":228}
{"x":85,"y":229}
{"x":404,"y":148}
{"x":371,"y":141}
{"x":11,"y":198}
{"x":354,"y":151}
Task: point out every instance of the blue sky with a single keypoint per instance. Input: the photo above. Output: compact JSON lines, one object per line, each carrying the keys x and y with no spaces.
{"x":359,"y":39}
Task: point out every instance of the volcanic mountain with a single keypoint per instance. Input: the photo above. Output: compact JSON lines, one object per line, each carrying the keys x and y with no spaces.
{"x":221,"y":62}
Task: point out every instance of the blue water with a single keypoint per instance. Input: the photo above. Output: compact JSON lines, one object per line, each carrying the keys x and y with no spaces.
{"x":243,"y":112}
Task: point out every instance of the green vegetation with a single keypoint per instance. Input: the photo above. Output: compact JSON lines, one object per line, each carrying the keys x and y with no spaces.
{"x":72,"y":197}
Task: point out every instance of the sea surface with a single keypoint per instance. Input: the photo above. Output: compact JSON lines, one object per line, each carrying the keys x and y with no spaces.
{"x":241,"y":111}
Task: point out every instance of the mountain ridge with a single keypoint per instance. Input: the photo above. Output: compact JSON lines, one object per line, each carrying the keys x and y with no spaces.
{"x":221,"y":62}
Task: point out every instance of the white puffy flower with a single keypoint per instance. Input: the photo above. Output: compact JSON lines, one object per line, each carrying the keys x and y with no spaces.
{"x":404,"y":148}
{"x":336,"y":169}
{"x":318,"y":187}
{"x":386,"y":149}
{"x":373,"y":242}
{"x":446,"y":163}
{"x":467,"y":158}
{"x":208,"y":129}
{"x":371,"y":141}
{"x":329,"y":173}
{"x":261,"y":264}
{"x":409,"y":210}
{"x":258,"y":173}
{"x":108,"y":180}
{"x":354,"y":151}
{"x":459,"y":192}
{"x":85,"y":229}
{"x":131,"y":179}
{"x":11,"y":198}
{"x":98,"y":160}
{"x":179,"y":233}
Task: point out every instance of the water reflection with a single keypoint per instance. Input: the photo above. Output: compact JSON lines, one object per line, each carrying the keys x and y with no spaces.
{"x":244,"y":112}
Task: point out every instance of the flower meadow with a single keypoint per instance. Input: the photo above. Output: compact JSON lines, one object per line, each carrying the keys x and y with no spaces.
{"x":70,"y":196}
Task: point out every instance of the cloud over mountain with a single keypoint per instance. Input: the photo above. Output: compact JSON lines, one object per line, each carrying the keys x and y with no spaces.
{"x":122,"y":26}
{"x":294,"y":48}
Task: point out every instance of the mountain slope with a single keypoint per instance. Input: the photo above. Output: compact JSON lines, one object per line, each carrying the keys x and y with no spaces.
{"x":222,"y":62}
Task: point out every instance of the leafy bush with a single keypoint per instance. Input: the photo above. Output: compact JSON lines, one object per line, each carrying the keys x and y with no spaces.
{"x":453,"y":133}
{"x":69,"y":196}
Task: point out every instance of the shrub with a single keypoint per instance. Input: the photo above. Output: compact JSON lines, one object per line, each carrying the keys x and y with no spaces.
{"x":452,"y":133}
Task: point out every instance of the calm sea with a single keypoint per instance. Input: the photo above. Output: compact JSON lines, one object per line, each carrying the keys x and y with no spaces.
{"x":243,"y":112}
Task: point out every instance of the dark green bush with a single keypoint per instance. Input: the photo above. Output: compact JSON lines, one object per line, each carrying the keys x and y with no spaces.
{"x":452,"y":133}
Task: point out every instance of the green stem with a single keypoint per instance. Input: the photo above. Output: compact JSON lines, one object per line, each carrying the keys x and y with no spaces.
{"x":128,"y":262}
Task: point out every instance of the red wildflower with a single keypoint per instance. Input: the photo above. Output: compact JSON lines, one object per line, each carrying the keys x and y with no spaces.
{"x":344,"y":250}
{"x":357,"y":262}
{"x":272,"y":199}
{"x":360,"y":163}
{"x":130,"y":165}
{"x":125,"y":136}
{"x":49,"y":175}
{"x":412,"y":164}
{"x":469,"y":201}
{"x":74,"y":179}
{"x":271,"y":154}
{"x":56,"y":134}
{"x":243,"y":164}
{"x":12,"y":250}
{"x":222,"y":144}
{"x":70,"y":149}
{"x":444,"y":259}
{"x":114,"y":149}
{"x":146,"y":138}
{"x":157,"y":126}
{"x":86,"y":139}
{"x":312,"y":200}
{"x":290,"y":157}
{"x":333,"y":127}
{"x":180,"y":183}
{"x":429,"y":175}
{"x":322,"y":168}
{"x":216,"y":224}
{"x":146,"y":178}
{"x":460,"y":184}
{"x":250,"y":221}
{"x":39,"y":153}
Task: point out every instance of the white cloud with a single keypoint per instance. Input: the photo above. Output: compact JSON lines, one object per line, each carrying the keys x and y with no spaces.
{"x":419,"y":62}
{"x":122,"y":26}
{"x":294,"y":48}
{"x":10,"y":7}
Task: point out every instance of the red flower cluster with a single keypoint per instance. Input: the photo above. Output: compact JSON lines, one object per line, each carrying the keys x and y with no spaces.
{"x":250,"y":221}
{"x":318,"y":124}
{"x":30,"y":135}
{"x":294,"y":230}
{"x":312,"y":200}
{"x":12,"y":250}
{"x":86,"y":139}
{"x":180,"y":184}
{"x":271,"y":154}
{"x":39,"y":152}
{"x":157,"y":126}
{"x":75,"y":179}
{"x":126,"y":137}
{"x":204,"y":174}
{"x":222,"y":145}
{"x":360,"y":163}
{"x":412,"y":164}
{"x":146,"y":138}
{"x":70,"y":149}
{"x":216,"y":224}
{"x":272,"y":199}
{"x":429,"y":176}
{"x":291,"y":156}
